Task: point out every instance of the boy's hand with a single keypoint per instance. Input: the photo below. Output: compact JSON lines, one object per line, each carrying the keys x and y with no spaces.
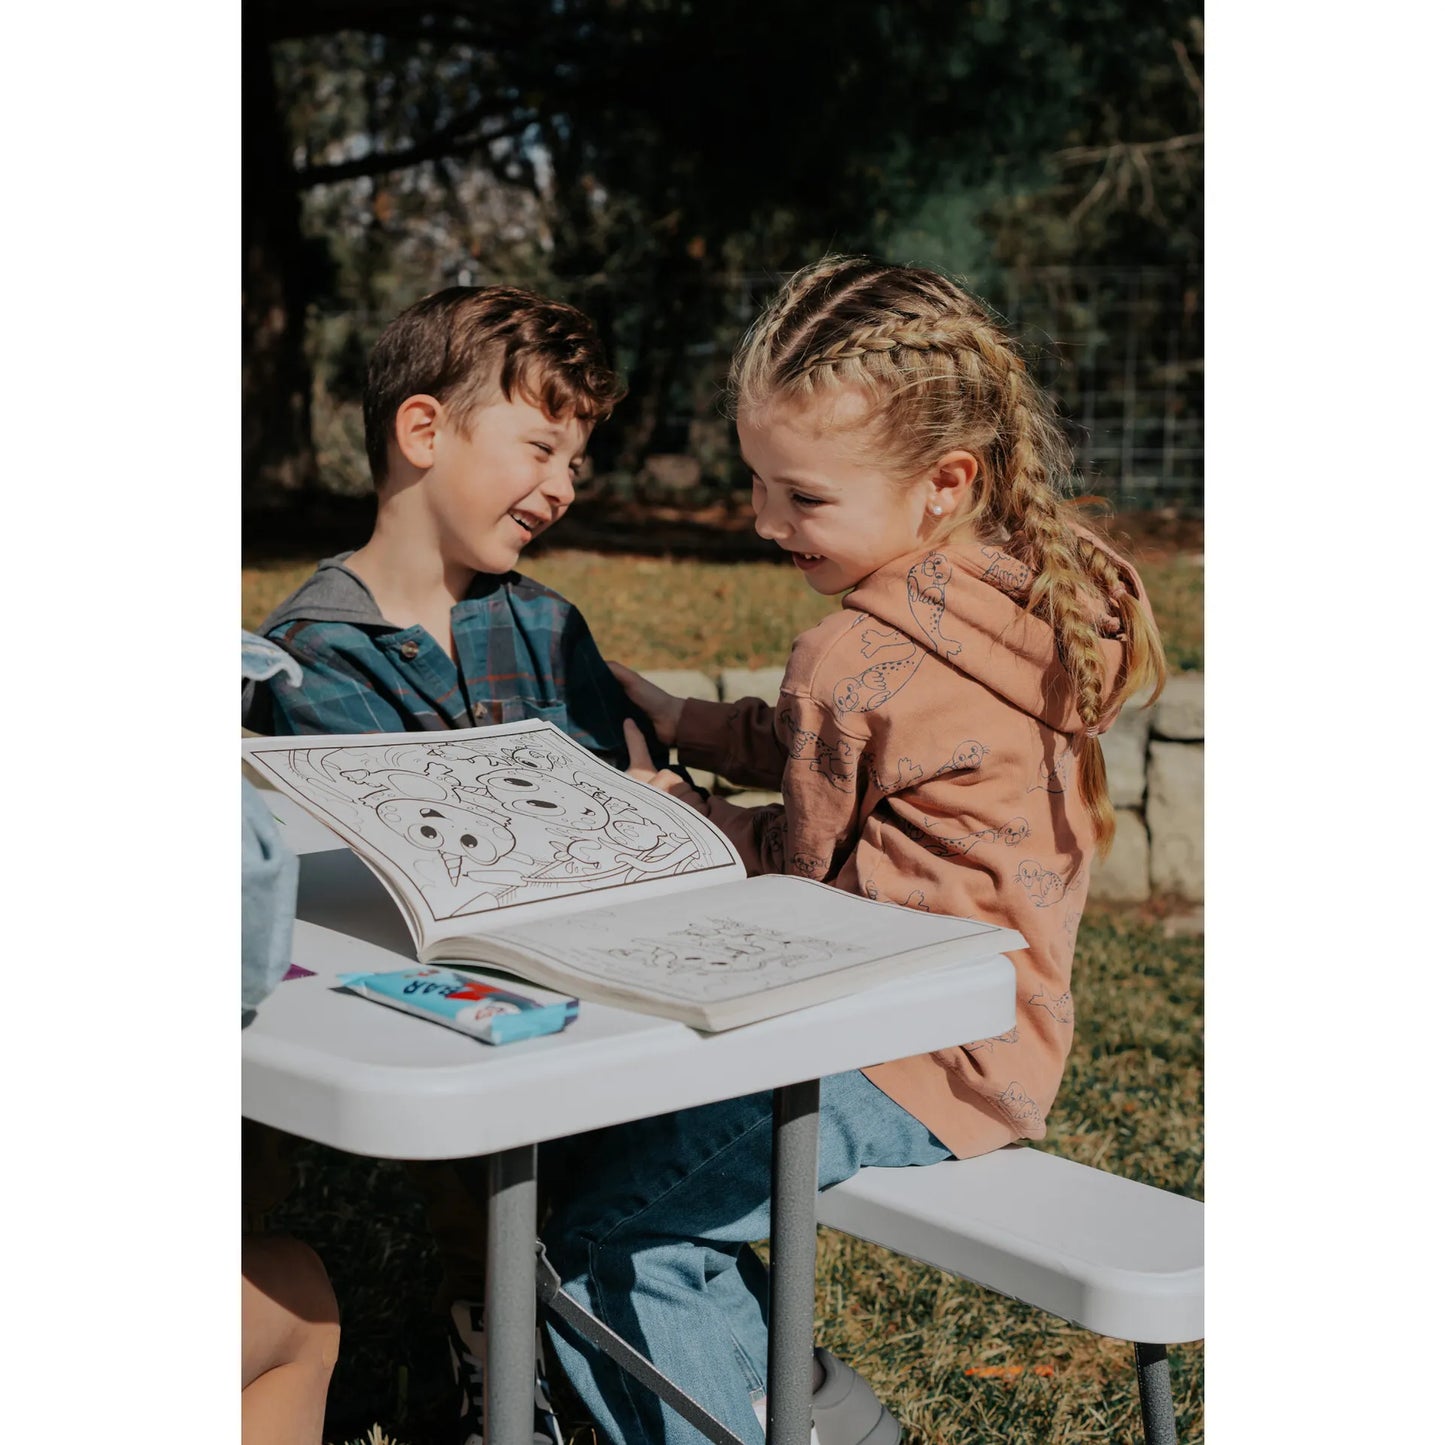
{"x":661,"y":707}
{"x":640,"y":767}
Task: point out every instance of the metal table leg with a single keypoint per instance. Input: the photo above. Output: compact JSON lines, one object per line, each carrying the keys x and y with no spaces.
{"x":1151,"y":1364}
{"x":794,"y":1254}
{"x":510,"y":1301}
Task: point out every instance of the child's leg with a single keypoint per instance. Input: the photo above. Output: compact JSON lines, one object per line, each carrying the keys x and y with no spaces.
{"x":651,"y":1235}
{"x":290,"y":1335}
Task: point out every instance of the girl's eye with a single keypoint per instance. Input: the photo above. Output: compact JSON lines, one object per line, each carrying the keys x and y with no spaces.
{"x":805,"y":501}
{"x":543,"y":448}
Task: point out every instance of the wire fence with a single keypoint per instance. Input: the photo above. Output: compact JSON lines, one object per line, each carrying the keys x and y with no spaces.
{"x":1122,"y":351}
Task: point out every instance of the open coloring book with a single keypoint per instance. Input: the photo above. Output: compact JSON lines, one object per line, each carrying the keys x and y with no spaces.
{"x":514,"y":846}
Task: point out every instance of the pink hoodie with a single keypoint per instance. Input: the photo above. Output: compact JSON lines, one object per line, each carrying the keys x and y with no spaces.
{"x":923,"y":744}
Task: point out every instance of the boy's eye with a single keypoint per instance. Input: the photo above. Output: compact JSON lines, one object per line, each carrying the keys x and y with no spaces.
{"x":543,"y":448}
{"x":803,"y":500}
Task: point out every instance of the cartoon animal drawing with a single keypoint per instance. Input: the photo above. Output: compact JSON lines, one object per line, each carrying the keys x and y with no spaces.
{"x":872,"y":686}
{"x":456,"y":835}
{"x":986,"y":1046}
{"x":517,"y":810}
{"x":1010,"y":834}
{"x":1043,"y":885}
{"x":1007,"y":572}
{"x":460,"y":850}
{"x":1019,"y":1107}
{"x":1053,"y":777}
{"x":723,"y":946}
{"x":833,"y":763}
{"x":968,"y":754}
{"x":370,"y":775}
{"x":906,"y":773}
{"x":914,"y":899}
{"x":874,"y":639}
{"x":1060,"y":1007}
{"x":927,"y":599}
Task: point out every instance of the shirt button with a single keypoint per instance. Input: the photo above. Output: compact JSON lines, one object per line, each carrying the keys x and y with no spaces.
{"x":409,"y":650}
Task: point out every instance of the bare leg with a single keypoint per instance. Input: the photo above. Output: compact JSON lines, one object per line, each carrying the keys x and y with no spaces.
{"x":290,"y":1335}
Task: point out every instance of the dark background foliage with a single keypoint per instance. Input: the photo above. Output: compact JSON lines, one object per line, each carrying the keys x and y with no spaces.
{"x":662,"y":163}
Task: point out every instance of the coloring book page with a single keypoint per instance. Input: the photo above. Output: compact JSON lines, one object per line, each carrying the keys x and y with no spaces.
{"x":734,"y":939}
{"x":482,"y":824}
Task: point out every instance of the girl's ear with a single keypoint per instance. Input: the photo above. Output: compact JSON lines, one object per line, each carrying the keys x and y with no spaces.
{"x":417,"y":421}
{"x":948,"y":485}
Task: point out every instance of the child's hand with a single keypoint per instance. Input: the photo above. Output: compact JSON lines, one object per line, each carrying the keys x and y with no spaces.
{"x":640,"y":767}
{"x":661,"y":707}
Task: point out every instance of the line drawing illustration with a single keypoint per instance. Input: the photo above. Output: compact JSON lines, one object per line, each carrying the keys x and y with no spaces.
{"x":478,"y":826}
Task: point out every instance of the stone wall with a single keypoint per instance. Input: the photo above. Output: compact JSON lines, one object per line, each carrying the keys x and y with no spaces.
{"x":1155,"y":758}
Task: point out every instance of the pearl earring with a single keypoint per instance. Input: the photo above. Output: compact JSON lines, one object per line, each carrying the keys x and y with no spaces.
{"x":936,"y":510}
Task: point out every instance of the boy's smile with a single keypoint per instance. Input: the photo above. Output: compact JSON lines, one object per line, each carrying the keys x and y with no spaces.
{"x":507,"y":478}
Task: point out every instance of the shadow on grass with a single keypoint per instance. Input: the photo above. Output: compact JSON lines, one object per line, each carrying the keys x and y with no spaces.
{"x":719,"y":532}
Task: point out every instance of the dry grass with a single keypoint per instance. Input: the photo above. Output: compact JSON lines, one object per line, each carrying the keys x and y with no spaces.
{"x":679,"y":612}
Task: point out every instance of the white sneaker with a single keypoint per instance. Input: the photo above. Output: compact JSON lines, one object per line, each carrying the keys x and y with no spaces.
{"x":845,"y":1409}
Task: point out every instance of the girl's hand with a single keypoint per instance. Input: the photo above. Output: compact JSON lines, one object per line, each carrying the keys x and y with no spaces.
{"x":661,"y":707}
{"x":640,"y":767}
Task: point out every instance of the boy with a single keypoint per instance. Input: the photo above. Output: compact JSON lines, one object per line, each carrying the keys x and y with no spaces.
{"x":478,"y":406}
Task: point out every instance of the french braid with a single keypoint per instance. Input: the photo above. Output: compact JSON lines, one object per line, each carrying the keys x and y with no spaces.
{"x":943,"y":375}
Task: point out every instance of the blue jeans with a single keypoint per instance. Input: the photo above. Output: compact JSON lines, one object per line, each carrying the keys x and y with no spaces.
{"x":651,"y":1231}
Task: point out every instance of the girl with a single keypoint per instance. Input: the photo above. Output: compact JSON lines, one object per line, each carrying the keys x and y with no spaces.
{"x":936,"y":745}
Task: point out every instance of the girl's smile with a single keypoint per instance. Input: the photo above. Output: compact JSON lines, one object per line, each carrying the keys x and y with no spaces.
{"x":820,"y":496}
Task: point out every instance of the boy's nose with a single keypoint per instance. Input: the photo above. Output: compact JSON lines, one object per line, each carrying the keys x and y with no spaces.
{"x":560,"y":488}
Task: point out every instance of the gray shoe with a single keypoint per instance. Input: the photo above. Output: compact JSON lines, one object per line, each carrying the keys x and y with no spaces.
{"x":845,"y":1409}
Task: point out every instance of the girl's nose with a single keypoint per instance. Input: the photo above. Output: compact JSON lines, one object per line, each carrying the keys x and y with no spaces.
{"x":767,"y":522}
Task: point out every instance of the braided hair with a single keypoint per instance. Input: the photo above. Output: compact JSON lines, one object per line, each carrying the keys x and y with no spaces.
{"x":941,"y":374}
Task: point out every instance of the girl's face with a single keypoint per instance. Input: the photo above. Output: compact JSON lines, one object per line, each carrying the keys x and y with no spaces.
{"x":819,"y":495}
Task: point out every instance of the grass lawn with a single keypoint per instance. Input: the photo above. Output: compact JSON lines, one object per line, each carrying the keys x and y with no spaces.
{"x":653,"y":611}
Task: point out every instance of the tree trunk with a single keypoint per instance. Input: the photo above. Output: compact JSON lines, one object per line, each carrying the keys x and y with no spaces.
{"x":278,"y":458}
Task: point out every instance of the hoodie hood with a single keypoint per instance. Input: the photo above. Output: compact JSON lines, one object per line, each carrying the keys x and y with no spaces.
{"x":333,"y":593}
{"x":965,"y":604}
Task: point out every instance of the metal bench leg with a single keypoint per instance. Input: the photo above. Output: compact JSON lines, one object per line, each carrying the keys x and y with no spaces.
{"x":510,"y":1300}
{"x":794,"y":1256}
{"x":1151,"y":1364}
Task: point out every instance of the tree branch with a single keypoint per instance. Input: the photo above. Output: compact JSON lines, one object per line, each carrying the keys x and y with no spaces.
{"x":450,"y":140}
{"x":1190,"y":73}
{"x":1081,"y":155}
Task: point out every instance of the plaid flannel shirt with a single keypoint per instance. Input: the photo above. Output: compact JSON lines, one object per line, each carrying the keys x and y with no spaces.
{"x":523,"y":651}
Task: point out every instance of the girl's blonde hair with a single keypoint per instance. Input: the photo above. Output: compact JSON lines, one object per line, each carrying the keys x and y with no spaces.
{"x":942,"y":376}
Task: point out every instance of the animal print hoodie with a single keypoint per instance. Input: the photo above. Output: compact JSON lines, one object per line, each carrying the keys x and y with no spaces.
{"x":924,"y":743}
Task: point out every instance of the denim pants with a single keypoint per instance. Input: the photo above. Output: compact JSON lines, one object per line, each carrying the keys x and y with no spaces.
{"x":651,"y":1230}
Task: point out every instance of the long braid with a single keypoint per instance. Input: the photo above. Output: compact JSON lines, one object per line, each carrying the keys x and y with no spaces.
{"x":944,"y":376}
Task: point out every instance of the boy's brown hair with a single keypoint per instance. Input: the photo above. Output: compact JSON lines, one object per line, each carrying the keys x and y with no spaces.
{"x":465,"y":343}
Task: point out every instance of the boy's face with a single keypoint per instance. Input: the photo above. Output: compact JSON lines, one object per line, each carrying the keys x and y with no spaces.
{"x":508,"y":478}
